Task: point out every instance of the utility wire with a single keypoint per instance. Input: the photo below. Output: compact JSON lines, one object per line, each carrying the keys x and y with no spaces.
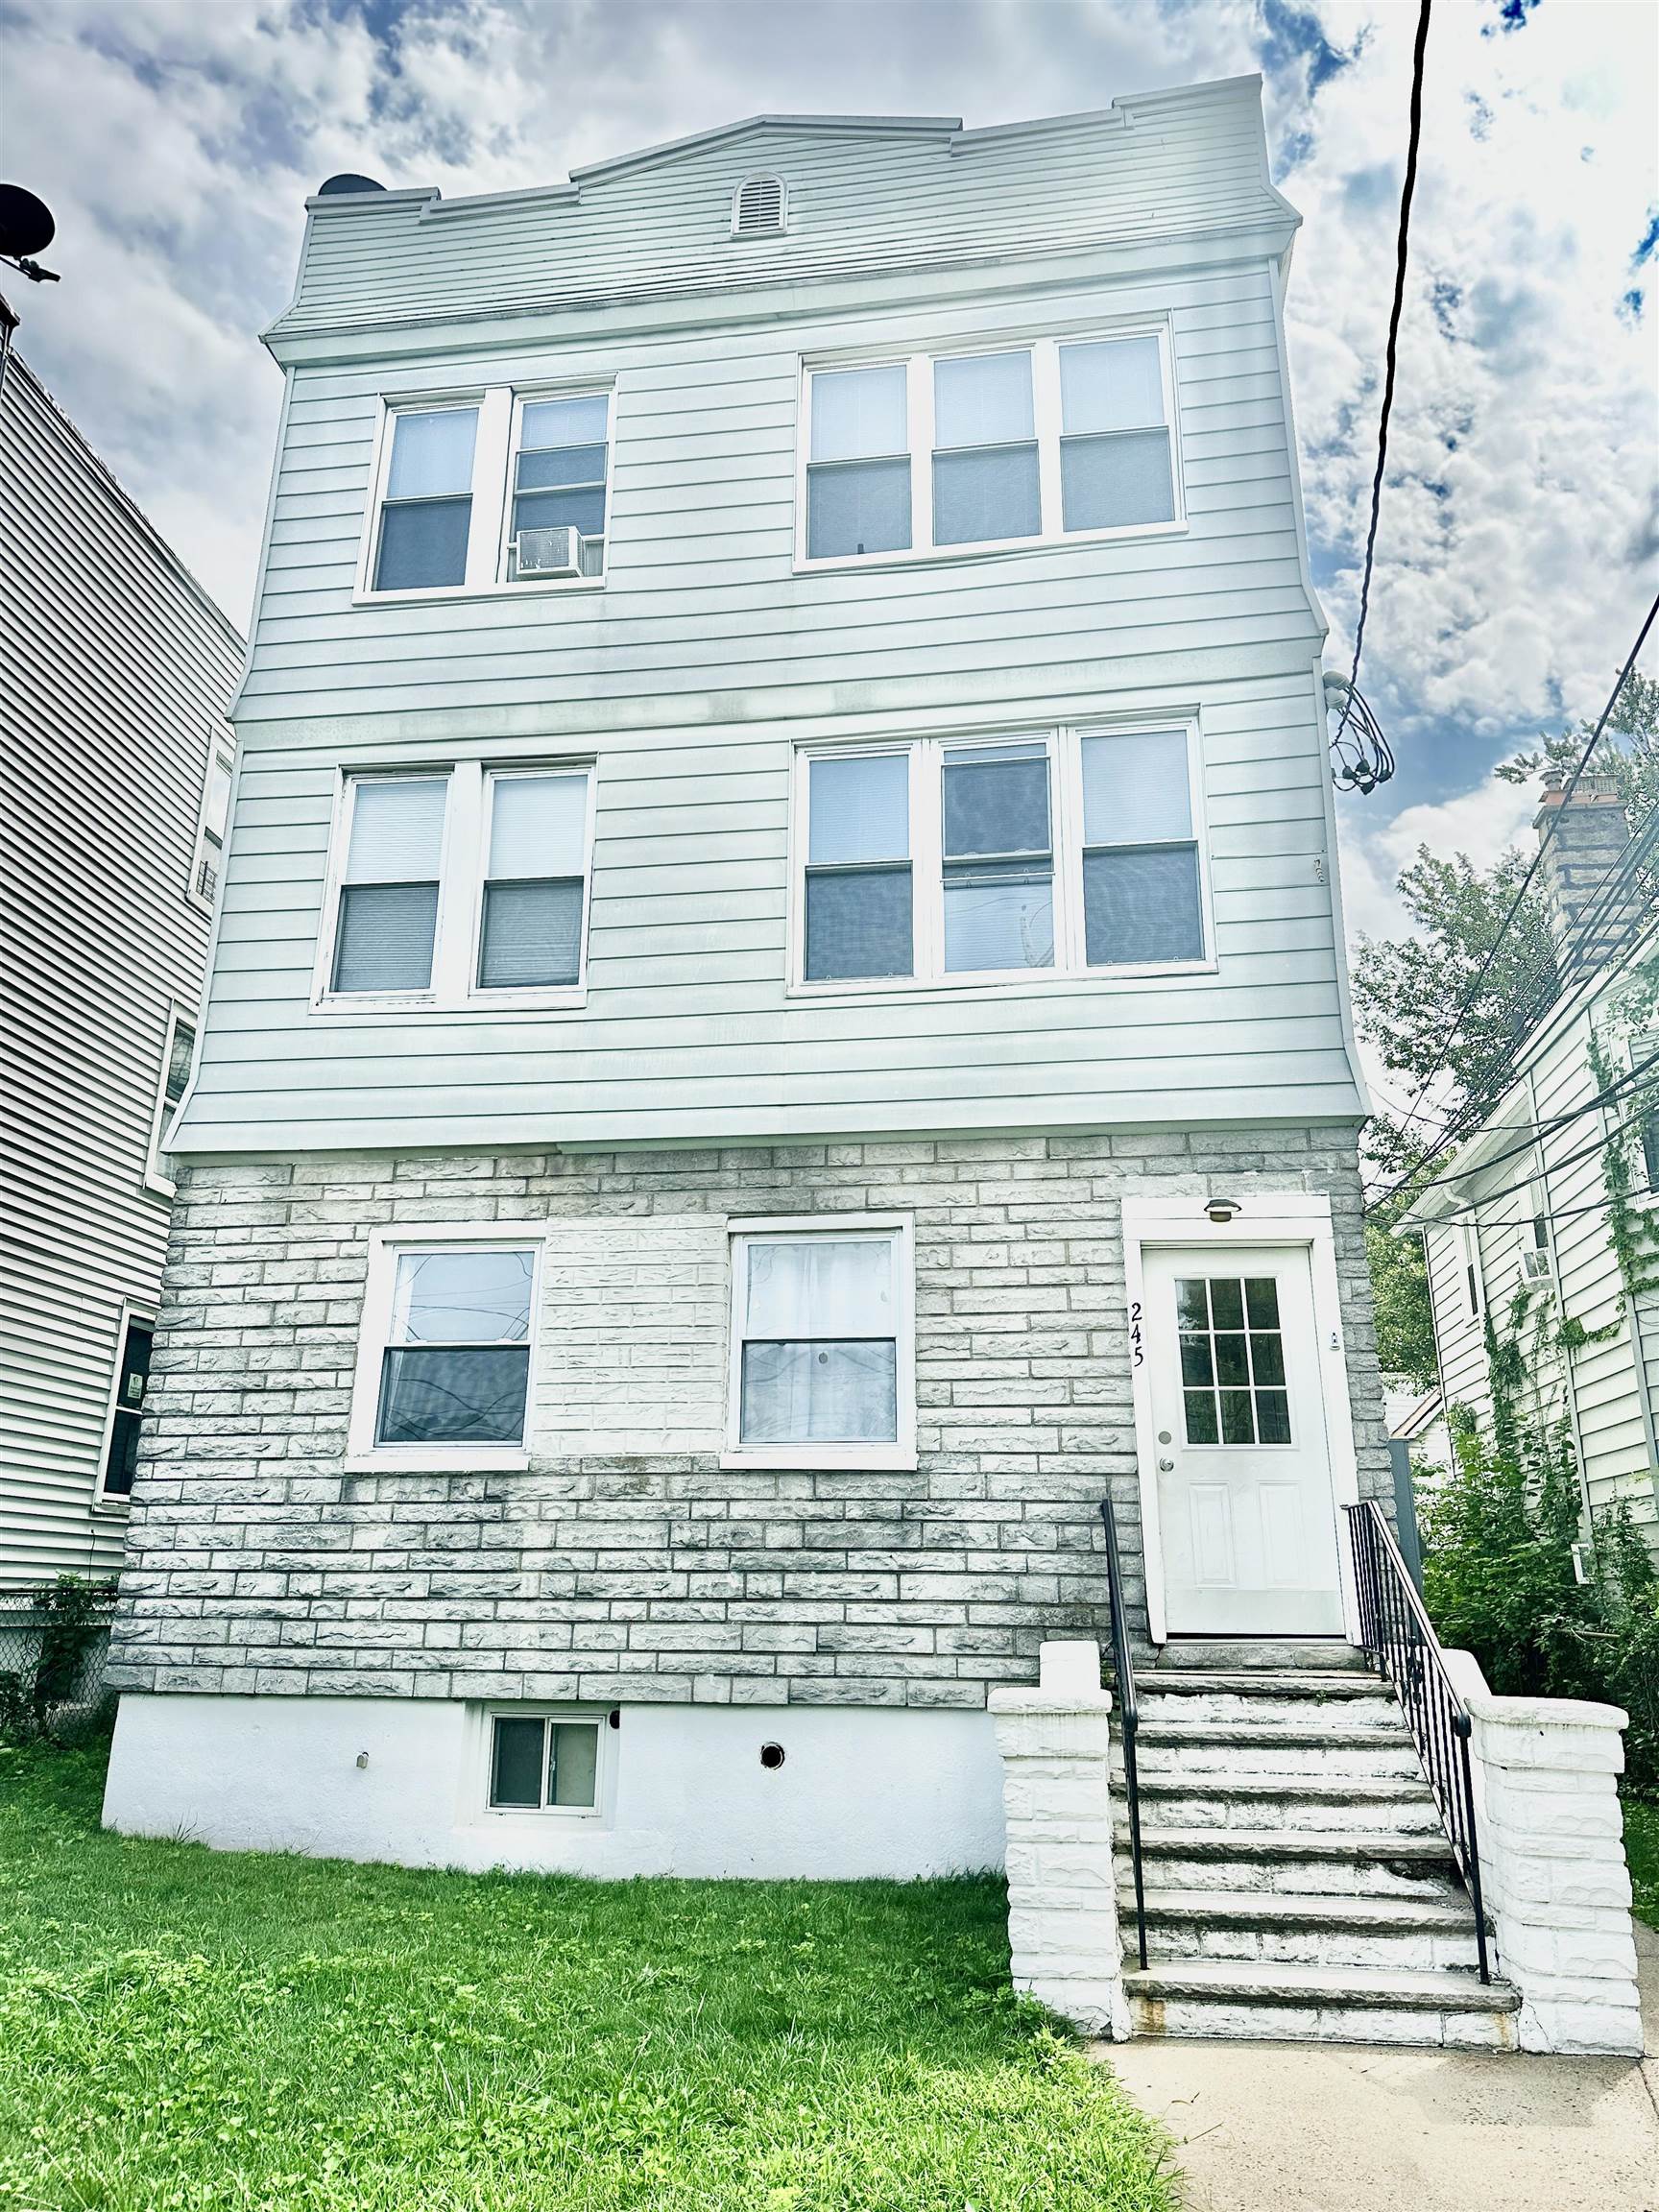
{"x":1469,"y":996}
{"x":1469,"y":1208}
{"x":1412,"y":142}
{"x":1534,"y":1139}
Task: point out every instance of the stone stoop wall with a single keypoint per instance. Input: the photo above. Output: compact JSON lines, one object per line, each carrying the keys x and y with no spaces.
{"x":256,"y":1564}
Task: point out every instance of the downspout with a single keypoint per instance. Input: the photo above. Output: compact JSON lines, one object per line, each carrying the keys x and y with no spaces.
{"x":1569,"y":1377}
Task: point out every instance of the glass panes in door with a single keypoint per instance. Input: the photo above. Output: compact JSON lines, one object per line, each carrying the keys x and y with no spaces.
{"x":985,"y":472}
{"x":1115,"y":464}
{"x":535,"y":882}
{"x":999,"y":859}
{"x":1233,"y":1381}
{"x":1140,"y":890}
{"x":858,"y":875}
{"x":858,"y":463}
{"x":456,"y":1368}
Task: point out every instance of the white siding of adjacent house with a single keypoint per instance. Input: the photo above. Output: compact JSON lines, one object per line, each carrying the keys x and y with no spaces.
{"x":114,"y":672}
{"x":706,"y":658}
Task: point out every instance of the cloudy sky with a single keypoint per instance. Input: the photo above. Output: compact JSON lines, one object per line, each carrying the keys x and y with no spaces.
{"x":175,"y":140}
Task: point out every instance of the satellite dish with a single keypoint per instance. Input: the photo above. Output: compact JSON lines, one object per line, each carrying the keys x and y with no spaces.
{"x":26,"y":225}
{"x":346,"y":182}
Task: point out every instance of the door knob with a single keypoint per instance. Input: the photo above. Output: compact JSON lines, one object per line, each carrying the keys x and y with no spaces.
{"x":1165,"y":1466}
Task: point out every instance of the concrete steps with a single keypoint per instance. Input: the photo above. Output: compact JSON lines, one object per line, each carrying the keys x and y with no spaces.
{"x":1298,"y":1881}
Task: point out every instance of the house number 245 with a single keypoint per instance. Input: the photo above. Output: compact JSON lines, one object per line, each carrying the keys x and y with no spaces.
{"x":1136,"y":1342}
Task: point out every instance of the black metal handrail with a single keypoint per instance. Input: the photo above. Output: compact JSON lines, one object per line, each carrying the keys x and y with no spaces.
{"x":1400,"y":1638}
{"x":1122,"y":1667}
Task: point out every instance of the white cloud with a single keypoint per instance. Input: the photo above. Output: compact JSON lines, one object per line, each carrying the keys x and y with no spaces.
{"x":1485,"y":822}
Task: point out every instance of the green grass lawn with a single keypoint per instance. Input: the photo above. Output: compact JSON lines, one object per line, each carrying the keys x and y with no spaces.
{"x":181,"y":2028}
{"x":1642,"y":1850}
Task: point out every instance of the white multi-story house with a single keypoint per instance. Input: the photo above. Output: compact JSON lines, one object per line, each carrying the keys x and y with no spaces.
{"x":776,"y":1034}
{"x":1543,"y":1232}
{"x":115,"y":671}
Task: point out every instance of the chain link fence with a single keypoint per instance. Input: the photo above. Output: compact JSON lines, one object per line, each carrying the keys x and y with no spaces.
{"x":54,"y":1646}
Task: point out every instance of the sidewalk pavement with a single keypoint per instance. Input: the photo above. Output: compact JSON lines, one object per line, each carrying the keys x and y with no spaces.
{"x":1334,"y":2128}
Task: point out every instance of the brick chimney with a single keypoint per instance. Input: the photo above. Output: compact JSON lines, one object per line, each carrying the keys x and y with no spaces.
{"x":1590,"y":837}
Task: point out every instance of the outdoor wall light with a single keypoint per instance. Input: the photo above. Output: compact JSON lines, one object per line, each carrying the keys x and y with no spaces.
{"x":1222,"y":1209}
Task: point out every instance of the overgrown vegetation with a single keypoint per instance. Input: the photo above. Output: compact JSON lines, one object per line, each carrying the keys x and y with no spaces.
{"x":1499,"y":1579}
{"x":51,"y":1642}
{"x":218,"y":2032}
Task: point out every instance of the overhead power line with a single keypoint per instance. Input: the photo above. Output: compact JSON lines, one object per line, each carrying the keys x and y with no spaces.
{"x":1380,"y":771}
{"x":1467,"y":1001}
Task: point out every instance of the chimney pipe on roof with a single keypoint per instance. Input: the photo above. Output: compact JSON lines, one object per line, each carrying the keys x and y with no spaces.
{"x":1591,"y":915}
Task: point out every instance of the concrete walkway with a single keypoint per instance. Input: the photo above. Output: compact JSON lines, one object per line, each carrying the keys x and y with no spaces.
{"x":1310,"y":2128}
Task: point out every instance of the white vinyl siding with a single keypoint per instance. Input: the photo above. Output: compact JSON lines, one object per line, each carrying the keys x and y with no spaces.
{"x":116,"y":674}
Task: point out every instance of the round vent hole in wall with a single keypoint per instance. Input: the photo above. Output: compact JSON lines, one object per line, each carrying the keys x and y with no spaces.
{"x":771,"y":1756}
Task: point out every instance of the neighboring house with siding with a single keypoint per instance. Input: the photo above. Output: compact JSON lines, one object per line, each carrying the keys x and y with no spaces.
{"x":1519,"y":1230}
{"x":116,"y":674}
{"x":778,"y":1028}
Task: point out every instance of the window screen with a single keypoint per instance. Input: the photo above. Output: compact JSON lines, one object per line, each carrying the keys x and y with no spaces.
{"x":858,"y":463}
{"x":1141,"y":903}
{"x":560,"y":474}
{"x":426,"y":514}
{"x":1115,"y":461}
{"x":535,"y":882}
{"x":985,"y":474}
{"x":819,"y":1328}
{"x":388,"y":895}
{"x":859,"y":873}
{"x":998,"y":861}
{"x":456,"y":1368}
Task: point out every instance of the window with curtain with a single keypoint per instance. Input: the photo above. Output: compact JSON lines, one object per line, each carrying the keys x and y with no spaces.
{"x":456,"y":1365}
{"x":560,"y":474}
{"x":426,"y":509}
{"x":817,"y":1324}
{"x":1115,"y":461}
{"x":543,"y":1762}
{"x":388,"y":915}
{"x":1142,"y":900}
{"x":132,"y":1382}
{"x":859,"y":461}
{"x":998,"y":857}
{"x":985,"y":472}
{"x":535,"y":882}
{"x":858,"y":918}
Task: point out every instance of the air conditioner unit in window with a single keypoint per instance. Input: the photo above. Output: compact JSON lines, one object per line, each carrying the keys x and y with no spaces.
{"x":1537,"y":1267}
{"x":553,"y":552}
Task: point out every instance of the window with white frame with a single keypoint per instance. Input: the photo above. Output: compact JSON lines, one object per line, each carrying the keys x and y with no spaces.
{"x":1047,"y":440}
{"x":1074,"y":850}
{"x":458,"y":886}
{"x":178,"y":1058}
{"x":426,"y":505}
{"x":209,"y":862}
{"x":544,"y":1763}
{"x":127,"y":1411}
{"x":560,"y":465}
{"x":822,"y":1339}
{"x":444,"y":1360}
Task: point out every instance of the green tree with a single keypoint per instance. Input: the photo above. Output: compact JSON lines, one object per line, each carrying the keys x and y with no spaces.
{"x":1400,"y":1291}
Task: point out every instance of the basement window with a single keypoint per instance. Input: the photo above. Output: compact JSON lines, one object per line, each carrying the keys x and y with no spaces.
{"x":544,"y":1763}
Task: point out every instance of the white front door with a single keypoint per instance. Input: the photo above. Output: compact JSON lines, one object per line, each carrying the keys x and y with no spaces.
{"x":1245,"y":1503}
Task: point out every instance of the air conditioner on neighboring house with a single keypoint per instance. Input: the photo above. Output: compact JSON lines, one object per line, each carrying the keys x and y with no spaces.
{"x":1537,"y":1267}
{"x":552,"y":552}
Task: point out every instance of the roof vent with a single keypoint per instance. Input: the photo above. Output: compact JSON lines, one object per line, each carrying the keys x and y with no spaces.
{"x":758,"y":208}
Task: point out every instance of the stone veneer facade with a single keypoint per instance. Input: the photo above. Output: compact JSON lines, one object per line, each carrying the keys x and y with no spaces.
{"x":256,"y":1563}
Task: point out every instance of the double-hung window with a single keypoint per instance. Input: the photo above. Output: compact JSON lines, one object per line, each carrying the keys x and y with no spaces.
{"x":387,"y":924}
{"x":426,"y":509}
{"x":127,"y":1411}
{"x":1030,"y":443}
{"x":178,"y":1058}
{"x":208,"y":861}
{"x":455,"y":887}
{"x":444,"y":1364}
{"x":822,"y":1342}
{"x":1067,"y":852}
{"x":559,"y":471}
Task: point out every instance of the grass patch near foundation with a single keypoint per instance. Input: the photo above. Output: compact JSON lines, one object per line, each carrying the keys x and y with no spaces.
{"x":239,"y":2032}
{"x":1642,"y":1850}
